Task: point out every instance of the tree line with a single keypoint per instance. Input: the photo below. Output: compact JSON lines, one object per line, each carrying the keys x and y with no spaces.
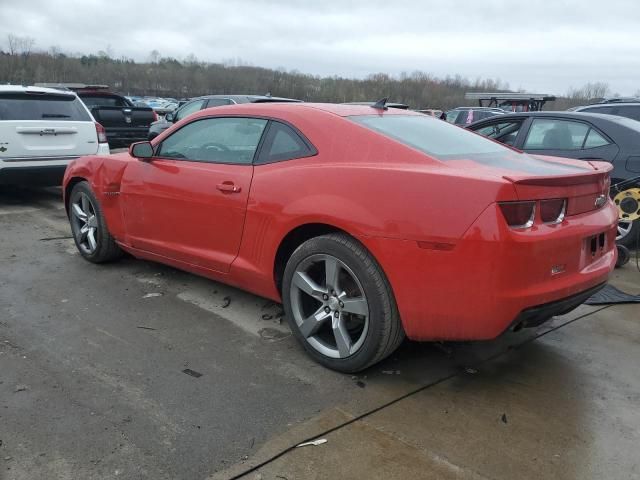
{"x":189,"y":77}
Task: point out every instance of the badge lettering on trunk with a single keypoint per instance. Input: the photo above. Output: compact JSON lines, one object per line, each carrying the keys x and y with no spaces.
{"x":557,"y":269}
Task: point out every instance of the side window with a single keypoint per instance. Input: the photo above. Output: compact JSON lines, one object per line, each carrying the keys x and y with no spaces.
{"x":215,"y":140}
{"x":283,"y":143}
{"x":606,"y":110}
{"x":629,"y":112}
{"x":504,"y":132}
{"x":594,"y":139}
{"x":188,"y":109}
{"x":218,"y":102}
{"x":553,"y":134}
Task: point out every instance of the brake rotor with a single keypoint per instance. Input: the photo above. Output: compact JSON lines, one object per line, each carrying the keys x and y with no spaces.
{"x":628,"y":203}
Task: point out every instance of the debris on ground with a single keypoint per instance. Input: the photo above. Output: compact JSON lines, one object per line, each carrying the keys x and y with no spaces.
{"x":145,"y":328}
{"x":266,"y":316}
{"x":152,"y":295}
{"x":315,"y":443}
{"x":391,"y":372}
{"x":226,"y":301}
{"x":193,"y":373}
{"x":470,"y":371}
{"x":361,"y":384}
{"x":504,"y":418}
{"x":21,"y":388}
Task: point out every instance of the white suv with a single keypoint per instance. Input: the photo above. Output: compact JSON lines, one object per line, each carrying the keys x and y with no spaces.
{"x":41,"y":131}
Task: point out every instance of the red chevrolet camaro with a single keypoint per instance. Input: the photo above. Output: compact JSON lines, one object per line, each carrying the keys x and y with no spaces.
{"x":368,"y":224}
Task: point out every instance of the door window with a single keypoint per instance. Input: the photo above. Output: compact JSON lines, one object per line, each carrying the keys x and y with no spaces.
{"x":216,"y":140}
{"x":504,"y":132}
{"x":188,"y":109}
{"x":554,"y":134}
{"x":594,"y":139}
{"x":218,"y":102}
{"x":283,"y":143}
{"x":629,"y":111}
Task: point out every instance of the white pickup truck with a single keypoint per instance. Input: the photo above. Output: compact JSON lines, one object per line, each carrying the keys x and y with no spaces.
{"x":41,"y":131}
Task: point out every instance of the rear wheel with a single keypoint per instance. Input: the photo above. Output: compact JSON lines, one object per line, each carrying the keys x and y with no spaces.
{"x":88,"y":226}
{"x":339,"y":304}
{"x":628,"y":233}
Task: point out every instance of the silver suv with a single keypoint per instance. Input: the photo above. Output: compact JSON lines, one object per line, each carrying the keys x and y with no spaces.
{"x":41,"y":131}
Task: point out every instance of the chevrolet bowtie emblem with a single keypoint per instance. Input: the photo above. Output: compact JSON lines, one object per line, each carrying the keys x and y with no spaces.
{"x":600,"y":201}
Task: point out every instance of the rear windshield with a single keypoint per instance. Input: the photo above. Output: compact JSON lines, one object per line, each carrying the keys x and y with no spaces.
{"x":444,"y":141}
{"x":104,"y":101}
{"x":30,"y":106}
{"x":432,"y":136}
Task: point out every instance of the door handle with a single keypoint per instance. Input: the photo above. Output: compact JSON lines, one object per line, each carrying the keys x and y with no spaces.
{"x":228,"y":187}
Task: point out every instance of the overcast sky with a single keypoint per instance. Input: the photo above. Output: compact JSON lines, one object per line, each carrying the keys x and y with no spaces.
{"x":541,"y":46}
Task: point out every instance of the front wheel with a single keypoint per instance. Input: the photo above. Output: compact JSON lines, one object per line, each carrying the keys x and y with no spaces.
{"x":88,"y":226}
{"x":339,"y":304}
{"x":628,"y":233}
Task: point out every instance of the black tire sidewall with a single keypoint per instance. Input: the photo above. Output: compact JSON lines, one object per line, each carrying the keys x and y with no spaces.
{"x":371,"y":278}
{"x":100,"y":253}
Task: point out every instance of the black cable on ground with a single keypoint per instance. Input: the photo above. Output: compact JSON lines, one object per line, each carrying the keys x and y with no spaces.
{"x":407,"y":395}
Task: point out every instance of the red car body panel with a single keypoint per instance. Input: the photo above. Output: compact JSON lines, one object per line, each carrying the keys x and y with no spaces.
{"x":455,"y":267}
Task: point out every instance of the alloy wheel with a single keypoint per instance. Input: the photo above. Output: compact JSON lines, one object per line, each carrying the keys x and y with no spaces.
{"x":85,"y":223}
{"x":329,"y":306}
{"x":624,"y":228}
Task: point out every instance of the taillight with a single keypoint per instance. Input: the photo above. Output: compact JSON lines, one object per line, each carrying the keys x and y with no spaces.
{"x":101,"y":132}
{"x":518,"y":214}
{"x":553,"y":211}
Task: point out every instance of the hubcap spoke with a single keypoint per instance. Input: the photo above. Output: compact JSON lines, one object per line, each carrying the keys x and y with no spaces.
{"x":357,"y":306}
{"x":311,"y":324}
{"x":91,"y":238}
{"x":343,"y":339}
{"x":85,"y":204}
{"x":77,"y":211}
{"x":307,"y":285}
{"x":332,"y":270}
{"x":92,"y":221}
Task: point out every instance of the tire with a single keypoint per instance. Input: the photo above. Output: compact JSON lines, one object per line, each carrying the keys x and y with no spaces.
{"x":89,"y":228}
{"x":348,"y":329}
{"x":629,"y":238}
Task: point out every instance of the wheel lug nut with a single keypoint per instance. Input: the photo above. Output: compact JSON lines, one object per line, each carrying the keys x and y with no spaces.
{"x":337,"y":314}
{"x":341,"y":304}
{"x":327,"y":309}
{"x":325,"y":297}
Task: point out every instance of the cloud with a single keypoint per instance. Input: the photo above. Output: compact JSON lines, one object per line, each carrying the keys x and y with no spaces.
{"x":539,"y":46}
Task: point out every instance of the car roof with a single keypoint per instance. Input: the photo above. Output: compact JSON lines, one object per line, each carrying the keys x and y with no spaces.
{"x":29,"y":89}
{"x":594,"y":117}
{"x":609,"y":105}
{"x":250,"y":97}
{"x":340,"y":110}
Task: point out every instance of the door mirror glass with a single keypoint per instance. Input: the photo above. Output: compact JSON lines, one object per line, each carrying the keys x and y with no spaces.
{"x":169,"y":117}
{"x":141,"y":150}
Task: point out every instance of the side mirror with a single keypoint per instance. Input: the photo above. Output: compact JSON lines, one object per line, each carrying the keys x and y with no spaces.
{"x":169,"y":117}
{"x":141,"y":150}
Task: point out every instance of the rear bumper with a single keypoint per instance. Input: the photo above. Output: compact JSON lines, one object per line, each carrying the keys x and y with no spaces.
{"x":492,"y":275}
{"x":41,"y":175}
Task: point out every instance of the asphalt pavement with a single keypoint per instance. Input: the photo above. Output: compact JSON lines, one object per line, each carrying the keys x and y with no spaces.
{"x":136,"y":370}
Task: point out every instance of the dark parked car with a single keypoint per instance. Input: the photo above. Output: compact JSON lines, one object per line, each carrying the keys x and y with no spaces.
{"x":583,"y":136}
{"x":467,"y":115}
{"x":208,"y":101}
{"x":629,"y":109}
{"x":124,"y":122}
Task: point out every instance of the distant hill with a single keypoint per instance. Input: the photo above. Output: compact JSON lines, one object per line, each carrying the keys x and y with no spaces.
{"x":169,"y":77}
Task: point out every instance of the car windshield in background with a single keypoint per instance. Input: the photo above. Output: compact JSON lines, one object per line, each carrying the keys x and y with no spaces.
{"x":444,"y":141}
{"x":29,"y":106}
{"x":101,"y":101}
